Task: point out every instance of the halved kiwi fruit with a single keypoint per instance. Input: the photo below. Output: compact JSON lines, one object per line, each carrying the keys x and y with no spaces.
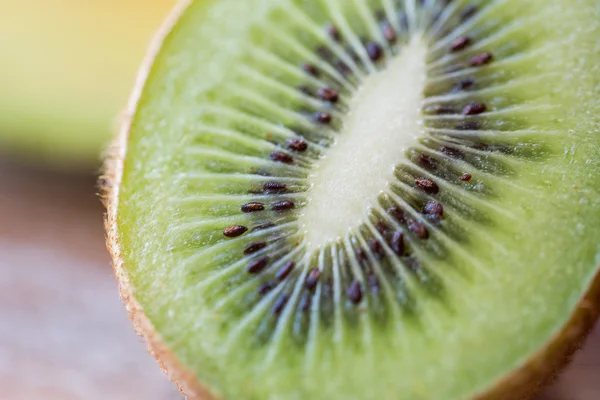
{"x":66,"y":69}
{"x":363,"y":199}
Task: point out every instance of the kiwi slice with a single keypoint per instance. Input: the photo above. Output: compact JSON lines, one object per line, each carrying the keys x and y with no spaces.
{"x":363,"y":199}
{"x":66,"y":69}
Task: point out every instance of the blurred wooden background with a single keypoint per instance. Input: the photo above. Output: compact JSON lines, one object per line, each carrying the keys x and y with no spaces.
{"x":64,"y":334}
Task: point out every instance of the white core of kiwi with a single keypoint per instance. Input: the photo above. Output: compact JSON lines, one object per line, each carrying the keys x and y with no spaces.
{"x":383,"y":121}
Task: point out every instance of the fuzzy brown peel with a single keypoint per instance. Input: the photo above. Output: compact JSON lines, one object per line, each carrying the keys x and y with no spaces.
{"x":109,"y":186}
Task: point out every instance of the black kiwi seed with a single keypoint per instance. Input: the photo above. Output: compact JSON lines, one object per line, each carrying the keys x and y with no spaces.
{"x":374,"y":51}
{"x":252,"y":207}
{"x":297,"y":145}
{"x":360,"y":254}
{"x":480,"y":59}
{"x":418,"y":229}
{"x":464,"y":84}
{"x":355,"y":292}
{"x":397,"y":243}
{"x":427,"y":185}
{"x":460,"y":43}
{"x":427,"y":162}
{"x":328,"y":94}
{"x":388,"y":32}
{"x":258,"y":265}
{"x":474,"y":109}
{"x":275,"y":187}
{"x":322,"y":118}
{"x":433,"y":208}
{"x":376,"y":248}
{"x":265,"y":288}
{"x":312,"y":278}
{"x":382,"y":227}
{"x":310,"y":69}
{"x":254,"y":247}
{"x":278,"y":156}
{"x":452,"y":152}
{"x":333,"y":32}
{"x":235,"y":231}
{"x":397,"y":214}
{"x":285,"y":270}
{"x":283,"y":205}
{"x":466,"y":177}
{"x":280,"y":304}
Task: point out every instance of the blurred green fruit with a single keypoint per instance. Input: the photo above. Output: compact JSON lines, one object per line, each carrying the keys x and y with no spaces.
{"x":66,"y":70}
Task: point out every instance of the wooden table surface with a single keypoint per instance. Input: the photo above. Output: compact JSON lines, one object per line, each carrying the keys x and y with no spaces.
{"x":64,"y":334}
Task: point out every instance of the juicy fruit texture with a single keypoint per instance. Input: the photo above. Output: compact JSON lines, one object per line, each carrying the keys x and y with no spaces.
{"x":466,"y":230}
{"x":66,"y":68}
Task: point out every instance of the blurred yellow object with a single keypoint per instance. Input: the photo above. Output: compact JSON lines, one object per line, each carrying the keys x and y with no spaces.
{"x":66,"y":69}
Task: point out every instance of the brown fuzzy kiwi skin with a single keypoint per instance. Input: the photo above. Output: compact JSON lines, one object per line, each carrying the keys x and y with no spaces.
{"x":109,"y":184}
{"x":544,"y":366}
{"x":522,"y":383}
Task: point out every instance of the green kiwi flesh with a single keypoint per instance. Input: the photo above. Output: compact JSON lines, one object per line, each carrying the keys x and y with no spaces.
{"x":65,"y":73}
{"x":468,"y":261}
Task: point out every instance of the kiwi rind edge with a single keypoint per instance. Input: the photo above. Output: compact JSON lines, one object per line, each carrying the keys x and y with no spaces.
{"x":521,"y":383}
